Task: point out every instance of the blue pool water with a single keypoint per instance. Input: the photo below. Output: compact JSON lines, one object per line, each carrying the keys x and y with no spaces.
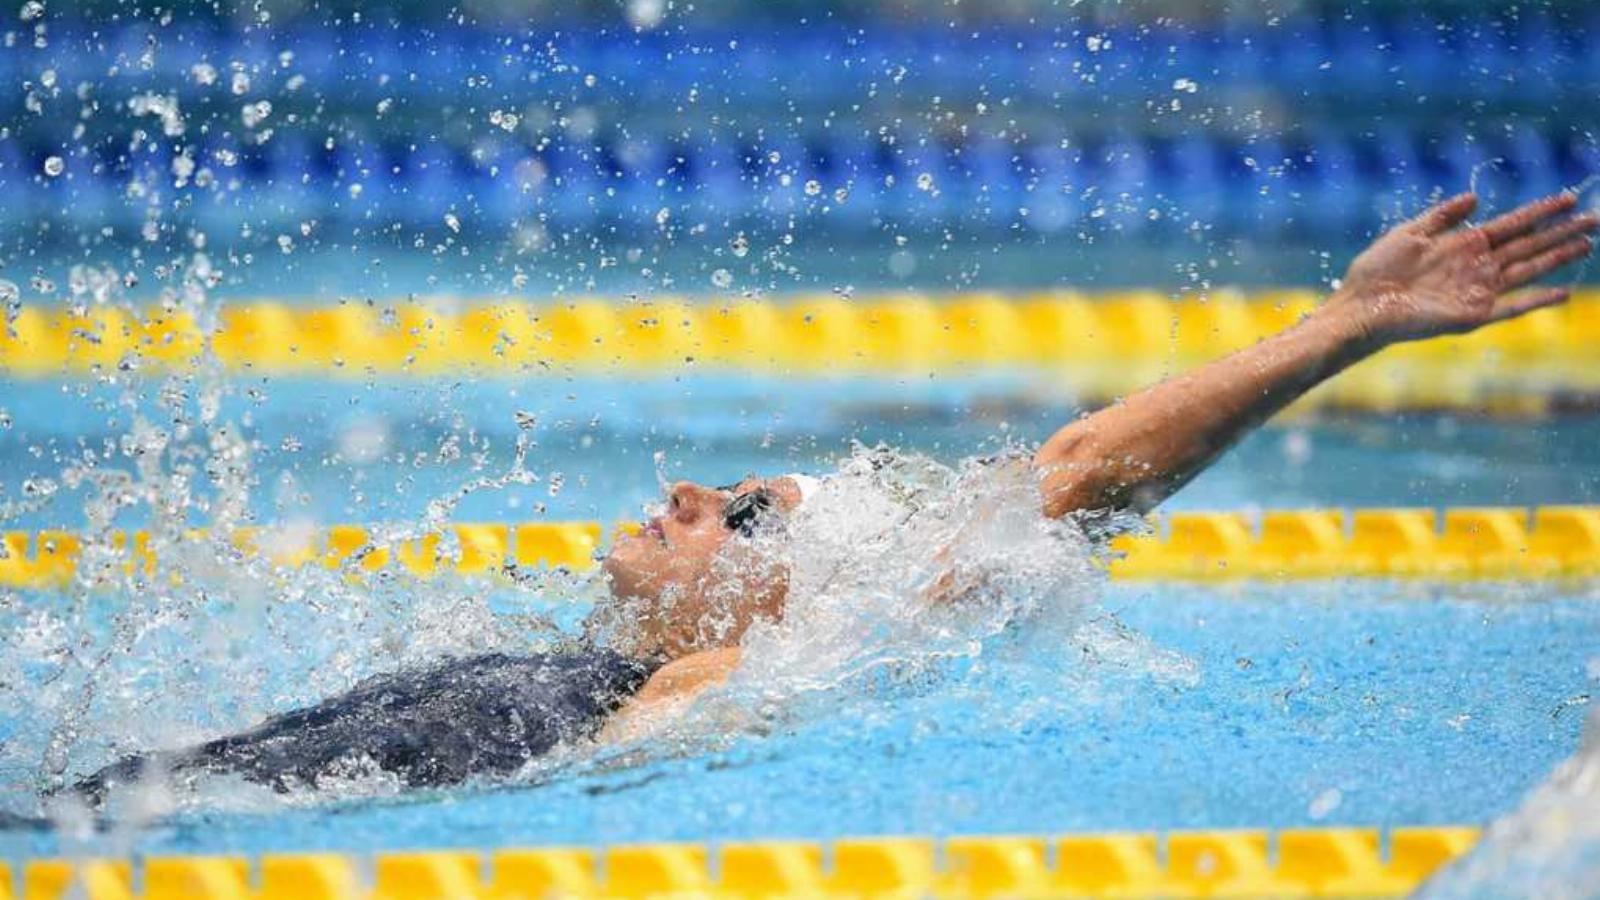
{"x":1327,"y":704}
{"x":1333,"y":702}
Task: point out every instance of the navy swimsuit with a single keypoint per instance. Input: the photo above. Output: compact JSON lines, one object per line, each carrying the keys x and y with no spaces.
{"x":481,"y":715}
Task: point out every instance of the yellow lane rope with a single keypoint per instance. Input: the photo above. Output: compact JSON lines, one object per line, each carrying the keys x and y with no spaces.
{"x":1465,"y":542}
{"x":1322,"y":862}
{"x":1095,"y":345}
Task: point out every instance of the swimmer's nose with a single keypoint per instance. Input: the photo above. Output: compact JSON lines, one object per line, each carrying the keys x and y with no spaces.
{"x":688,"y":501}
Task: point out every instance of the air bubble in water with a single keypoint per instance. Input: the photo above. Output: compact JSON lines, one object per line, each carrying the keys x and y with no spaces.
{"x":722,"y":278}
{"x":740,"y":246}
{"x":924,"y":182}
{"x":452,"y":223}
{"x":813,"y":188}
{"x":31,"y":10}
{"x":240,"y":84}
{"x":54,"y":166}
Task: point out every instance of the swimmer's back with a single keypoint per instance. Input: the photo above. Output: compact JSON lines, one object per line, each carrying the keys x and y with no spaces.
{"x":480,"y":715}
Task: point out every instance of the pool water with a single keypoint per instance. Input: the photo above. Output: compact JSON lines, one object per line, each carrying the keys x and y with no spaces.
{"x":1150,"y":706}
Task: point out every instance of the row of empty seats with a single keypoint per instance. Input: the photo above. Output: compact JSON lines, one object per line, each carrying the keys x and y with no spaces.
{"x":1534,"y":54}
{"x":1316,"y":182}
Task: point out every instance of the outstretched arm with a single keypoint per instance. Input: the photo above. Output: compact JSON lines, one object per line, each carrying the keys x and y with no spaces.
{"x":1424,"y":278}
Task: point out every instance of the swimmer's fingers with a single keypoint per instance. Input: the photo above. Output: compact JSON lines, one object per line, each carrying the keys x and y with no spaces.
{"x":1530,"y":245}
{"x":1446,"y":215}
{"x":1526,"y":217}
{"x":1541,"y":264}
{"x":1513,"y":305}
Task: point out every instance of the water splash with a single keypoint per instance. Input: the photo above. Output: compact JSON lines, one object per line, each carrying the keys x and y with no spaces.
{"x":1549,"y":847}
{"x":908,"y":576}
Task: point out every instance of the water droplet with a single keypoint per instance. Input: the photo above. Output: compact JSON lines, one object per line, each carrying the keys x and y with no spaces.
{"x":646,"y":14}
{"x":254,"y":114}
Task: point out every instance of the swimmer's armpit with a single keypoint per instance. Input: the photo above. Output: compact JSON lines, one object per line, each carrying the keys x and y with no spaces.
{"x":1429,"y":276}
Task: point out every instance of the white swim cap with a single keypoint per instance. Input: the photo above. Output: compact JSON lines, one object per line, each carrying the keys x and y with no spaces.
{"x":808,"y":485}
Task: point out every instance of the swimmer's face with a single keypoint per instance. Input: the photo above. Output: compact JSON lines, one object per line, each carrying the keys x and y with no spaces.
{"x":682,"y":583}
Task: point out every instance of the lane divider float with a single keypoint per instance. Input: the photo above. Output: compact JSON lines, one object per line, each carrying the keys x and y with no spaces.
{"x":1322,"y":862}
{"x":1096,"y":346}
{"x":1455,"y":543}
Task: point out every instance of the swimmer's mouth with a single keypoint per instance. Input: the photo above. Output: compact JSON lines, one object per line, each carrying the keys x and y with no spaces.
{"x":653,"y":528}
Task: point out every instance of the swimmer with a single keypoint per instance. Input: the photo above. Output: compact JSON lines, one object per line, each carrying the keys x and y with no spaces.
{"x":684,"y":616}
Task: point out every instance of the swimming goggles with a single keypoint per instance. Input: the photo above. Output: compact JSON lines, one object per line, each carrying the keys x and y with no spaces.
{"x":745,"y":511}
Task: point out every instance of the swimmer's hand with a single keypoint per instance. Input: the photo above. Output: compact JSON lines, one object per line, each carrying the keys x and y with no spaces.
{"x":1427,"y":277}
{"x":1430,"y":276}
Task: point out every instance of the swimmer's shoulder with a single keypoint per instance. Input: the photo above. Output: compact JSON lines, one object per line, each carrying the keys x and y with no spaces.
{"x":672,"y":688}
